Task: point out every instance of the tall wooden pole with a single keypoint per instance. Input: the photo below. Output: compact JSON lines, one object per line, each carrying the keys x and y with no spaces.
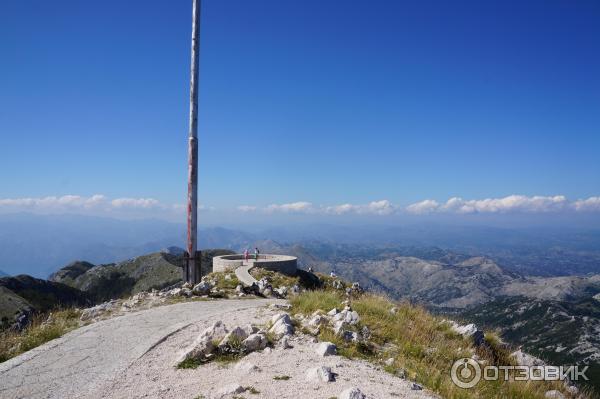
{"x":192,"y":274}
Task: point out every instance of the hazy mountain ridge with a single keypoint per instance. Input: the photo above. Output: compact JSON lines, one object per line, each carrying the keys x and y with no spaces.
{"x":436,"y":278}
{"x":23,"y":295}
{"x":142,"y":273}
{"x":540,"y":251}
{"x":108,"y":281}
{"x":51,"y":241}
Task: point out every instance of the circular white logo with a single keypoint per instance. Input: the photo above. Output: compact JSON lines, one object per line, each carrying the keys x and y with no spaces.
{"x":465,"y":373}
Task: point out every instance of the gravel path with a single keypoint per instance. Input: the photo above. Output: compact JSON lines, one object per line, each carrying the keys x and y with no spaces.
{"x":154,"y":375}
{"x":134,"y":356}
{"x":242,"y":274}
{"x":83,"y":362}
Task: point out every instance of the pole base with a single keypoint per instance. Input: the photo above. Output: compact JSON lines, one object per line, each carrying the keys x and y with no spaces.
{"x":192,"y":269}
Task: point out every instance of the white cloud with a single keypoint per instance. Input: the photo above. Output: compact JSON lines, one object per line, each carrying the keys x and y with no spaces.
{"x":95,"y":205}
{"x":246,"y":208}
{"x":53,"y":202}
{"x":591,"y":204}
{"x":383,"y":207}
{"x":454,"y":205}
{"x":426,"y":206}
{"x":341,"y":209}
{"x":101,"y":205}
{"x":509,"y":204}
{"x":145,"y":203}
{"x":294,"y":207}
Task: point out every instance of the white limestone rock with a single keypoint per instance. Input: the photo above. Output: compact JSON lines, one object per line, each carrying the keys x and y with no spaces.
{"x":202,"y":288}
{"x":525,"y":359}
{"x":254,"y":342}
{"x":281,"y":324}
{"x":237,"y":334}
{"x":338,"y":327}
{"x":347,"y":316}
{"x":97,"y":310}
{"x":216,"y":332}
{"x":317,"y":320}
{"x":284,"y":343}
{"x":201,"y":348}
{"x":230,"y":389}
{"x":466,"y":330}
{"x":319,"y":374}
{"x":326,"y":349}
{"x":203,"y":345}
{"x":250,"y":329}
{"x":352,"y":393}
{"x":246,"y":367}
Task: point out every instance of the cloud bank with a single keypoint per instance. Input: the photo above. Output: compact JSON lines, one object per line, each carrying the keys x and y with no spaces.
{"x":70,"y":202}
{"x":455,"y":205}
{"x":510,"y":204}
{"x":102,"y":205}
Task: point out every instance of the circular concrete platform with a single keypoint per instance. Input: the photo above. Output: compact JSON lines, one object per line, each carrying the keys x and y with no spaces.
{"x":279,"y":263}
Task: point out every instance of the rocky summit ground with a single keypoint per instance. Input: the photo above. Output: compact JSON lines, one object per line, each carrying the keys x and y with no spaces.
{"x":134,"y":355}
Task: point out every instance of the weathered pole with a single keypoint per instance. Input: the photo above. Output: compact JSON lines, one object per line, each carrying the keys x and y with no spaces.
{"x":192,"y":273}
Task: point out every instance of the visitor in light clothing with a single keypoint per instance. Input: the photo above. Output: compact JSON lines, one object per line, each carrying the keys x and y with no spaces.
{"x":246,"y":254}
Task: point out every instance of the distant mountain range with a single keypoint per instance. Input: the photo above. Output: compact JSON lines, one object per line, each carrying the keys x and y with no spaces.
{"x":38,"y":245}
{"x":434,"y":277}
{"x":51,"y":241}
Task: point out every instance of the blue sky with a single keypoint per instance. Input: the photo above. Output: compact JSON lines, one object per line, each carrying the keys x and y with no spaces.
{"x":320,"y":102}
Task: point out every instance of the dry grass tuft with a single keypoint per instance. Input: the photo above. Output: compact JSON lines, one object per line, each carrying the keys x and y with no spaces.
{"x":276,"y":279}
{"x":423,"y":346}
{"x":43,"y":328}
{"x":222,"y":283}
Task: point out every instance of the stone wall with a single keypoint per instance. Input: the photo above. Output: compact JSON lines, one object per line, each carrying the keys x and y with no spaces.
{"x":227,"y":263}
